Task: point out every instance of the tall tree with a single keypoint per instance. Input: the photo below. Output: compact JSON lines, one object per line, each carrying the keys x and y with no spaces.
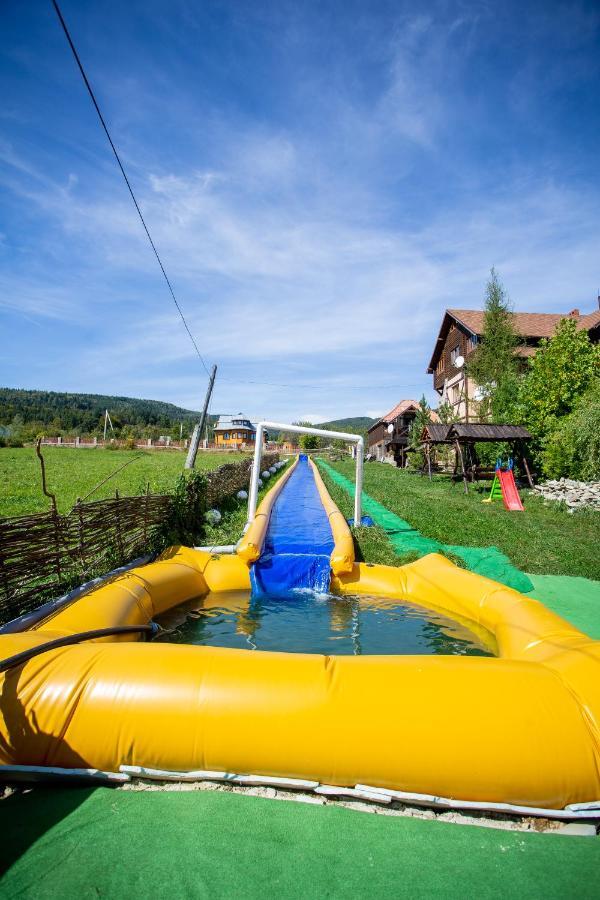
{"x":494,"y":366}
{"x":421,"y":419}
{"x":562,"y":370}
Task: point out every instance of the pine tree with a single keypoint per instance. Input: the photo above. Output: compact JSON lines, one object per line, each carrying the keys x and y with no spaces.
{"x":493,"y":366}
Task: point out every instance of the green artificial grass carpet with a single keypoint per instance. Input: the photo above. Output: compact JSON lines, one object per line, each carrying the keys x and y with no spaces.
{"x":76,"y":842}
{"x":575,"y":599}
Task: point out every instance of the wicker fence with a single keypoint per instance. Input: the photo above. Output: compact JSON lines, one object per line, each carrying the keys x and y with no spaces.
{"x":42,"y":555}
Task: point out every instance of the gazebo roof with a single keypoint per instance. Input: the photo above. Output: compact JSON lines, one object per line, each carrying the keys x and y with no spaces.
{"x":474,"y":431}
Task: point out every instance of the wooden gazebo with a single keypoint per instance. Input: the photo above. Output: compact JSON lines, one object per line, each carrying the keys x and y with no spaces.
{"x":463,"y":437}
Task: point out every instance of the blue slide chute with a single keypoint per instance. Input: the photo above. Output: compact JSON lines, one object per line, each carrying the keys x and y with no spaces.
{"x":298,"y":543}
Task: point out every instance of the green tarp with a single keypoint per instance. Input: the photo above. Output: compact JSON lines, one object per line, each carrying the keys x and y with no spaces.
{"x":78,"y":843}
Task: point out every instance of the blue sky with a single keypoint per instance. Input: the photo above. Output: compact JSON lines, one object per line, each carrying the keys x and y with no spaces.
{"x":321,"y":179}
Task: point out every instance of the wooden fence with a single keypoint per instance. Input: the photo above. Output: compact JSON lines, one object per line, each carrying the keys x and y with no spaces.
{"x":45,"y":554}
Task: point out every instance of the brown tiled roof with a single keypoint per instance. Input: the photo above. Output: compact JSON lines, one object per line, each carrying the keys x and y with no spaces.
{"x":592,"y":320}
{"x":527,"y":325}
{"x":532,"y":325}
{"x":400,"y":408}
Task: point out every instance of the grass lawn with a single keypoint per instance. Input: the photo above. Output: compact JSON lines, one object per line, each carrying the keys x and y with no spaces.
{"x":72,"y":473}
{"x":543,"y":539}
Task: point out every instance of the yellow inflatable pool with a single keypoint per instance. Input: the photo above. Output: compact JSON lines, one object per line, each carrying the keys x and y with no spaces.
{"x":522,"y":727}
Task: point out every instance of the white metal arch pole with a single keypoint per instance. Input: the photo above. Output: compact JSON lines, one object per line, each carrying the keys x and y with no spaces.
{"x":319,"y":432}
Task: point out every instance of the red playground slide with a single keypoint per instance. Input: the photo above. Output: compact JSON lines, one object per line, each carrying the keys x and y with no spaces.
{"x":510,"y":494}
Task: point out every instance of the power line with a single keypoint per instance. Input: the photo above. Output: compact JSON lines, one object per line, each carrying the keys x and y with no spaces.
{"x":325,"y":387}
{"x":120,"y":164}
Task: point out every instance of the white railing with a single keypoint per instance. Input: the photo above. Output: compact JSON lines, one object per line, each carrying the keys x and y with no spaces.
{"x":302,"y":429}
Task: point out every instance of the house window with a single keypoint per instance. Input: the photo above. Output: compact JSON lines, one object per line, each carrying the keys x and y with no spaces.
{"x":454,"y":354}
{"x":226,"y":435}
{"x":472,"y":342}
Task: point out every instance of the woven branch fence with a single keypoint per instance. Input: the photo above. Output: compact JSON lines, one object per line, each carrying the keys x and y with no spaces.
{"x":44,"y":554}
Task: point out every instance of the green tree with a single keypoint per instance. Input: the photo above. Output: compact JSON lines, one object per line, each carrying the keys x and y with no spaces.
{"x":446,"y":413}
{"x":421,"y":419}
{"x":560,"y":372}
{"x":309,"y":442}
{"x":558,"y":402}
{"x":493,"y":366}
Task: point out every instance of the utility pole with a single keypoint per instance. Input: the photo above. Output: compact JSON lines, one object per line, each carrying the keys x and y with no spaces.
{"x":107,"y":420}
{"x":199,"y":428}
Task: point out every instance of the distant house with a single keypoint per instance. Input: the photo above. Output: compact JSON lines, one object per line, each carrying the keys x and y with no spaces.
{"x":388,"y":439}
{"x":235,"y":433}
{"x":461,"y":331}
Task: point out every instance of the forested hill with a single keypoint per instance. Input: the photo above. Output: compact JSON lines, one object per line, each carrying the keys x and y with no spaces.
{"x":84,"y":413}
{"x":355,"y":425}
{"x":25,"y":414}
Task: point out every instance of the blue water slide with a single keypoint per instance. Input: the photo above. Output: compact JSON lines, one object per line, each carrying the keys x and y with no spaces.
{"x":298,"y":542}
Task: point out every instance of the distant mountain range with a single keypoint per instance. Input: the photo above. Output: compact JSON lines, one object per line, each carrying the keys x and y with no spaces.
{"x":353,"y":425}
{"x":53,"y":412}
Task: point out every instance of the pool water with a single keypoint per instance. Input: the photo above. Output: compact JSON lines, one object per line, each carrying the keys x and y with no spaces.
{"x":311,"y":623}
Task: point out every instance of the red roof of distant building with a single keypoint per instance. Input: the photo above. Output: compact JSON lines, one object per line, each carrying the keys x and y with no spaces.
{"x":403,"y":407}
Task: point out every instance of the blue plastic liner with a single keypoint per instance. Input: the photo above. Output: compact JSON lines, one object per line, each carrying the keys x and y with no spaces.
{"x":298,"y":542}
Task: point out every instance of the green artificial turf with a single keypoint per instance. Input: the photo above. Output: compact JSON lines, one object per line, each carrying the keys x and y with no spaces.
{"x":72,"y":473}
{"x":81,"y":843}
{"x":544,"y":539}
{"x":575,"y":599}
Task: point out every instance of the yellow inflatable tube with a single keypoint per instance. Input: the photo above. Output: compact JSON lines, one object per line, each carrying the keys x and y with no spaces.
{"x":522,"y":728}
{"x":250,"y":546}
{"x":342,"y":555}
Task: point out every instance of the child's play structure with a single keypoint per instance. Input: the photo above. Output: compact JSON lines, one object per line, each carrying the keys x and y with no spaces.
{"x":504,"y":487}
{"x":519,"y":731}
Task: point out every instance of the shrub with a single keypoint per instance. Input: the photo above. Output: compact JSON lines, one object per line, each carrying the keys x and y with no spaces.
{"x":573,"y":447}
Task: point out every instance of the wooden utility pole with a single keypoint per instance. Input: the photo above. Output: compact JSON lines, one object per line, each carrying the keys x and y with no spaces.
{"x":199,"y":428}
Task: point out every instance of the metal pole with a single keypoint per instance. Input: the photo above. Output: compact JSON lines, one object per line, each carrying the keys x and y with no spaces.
{"x":253,"y":493}
{"x":320,"y":432}
{"x":360,"y":452}
{"x":195,"y":441}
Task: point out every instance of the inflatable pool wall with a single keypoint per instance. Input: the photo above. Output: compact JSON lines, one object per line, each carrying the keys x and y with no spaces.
{"x":520,"y":728}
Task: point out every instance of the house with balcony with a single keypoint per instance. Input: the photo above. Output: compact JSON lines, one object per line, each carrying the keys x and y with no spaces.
{"x":235,"y":433}
{"x":459,"y":335}
{"x":389,"y":438}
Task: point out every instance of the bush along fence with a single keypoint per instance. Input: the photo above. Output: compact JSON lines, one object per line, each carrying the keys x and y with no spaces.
{"x":46,"y":554}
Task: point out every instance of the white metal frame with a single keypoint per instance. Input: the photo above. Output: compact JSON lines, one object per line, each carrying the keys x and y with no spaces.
{"x":302,"y":429}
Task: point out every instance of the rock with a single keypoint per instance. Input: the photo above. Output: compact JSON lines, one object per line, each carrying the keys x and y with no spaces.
{"x":579,"y":829}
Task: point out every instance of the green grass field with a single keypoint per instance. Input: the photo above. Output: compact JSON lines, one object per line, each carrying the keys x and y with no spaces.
{"x":543,"y":539}
{"x":72,"y":473}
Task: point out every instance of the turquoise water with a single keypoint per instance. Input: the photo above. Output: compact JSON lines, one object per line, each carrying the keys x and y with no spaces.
{"x":312,"y":623}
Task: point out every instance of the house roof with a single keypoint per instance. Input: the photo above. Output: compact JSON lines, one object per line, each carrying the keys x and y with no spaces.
{"x":527,"y":325}
{"x":398,"y":410}
{"x":226,"y":423}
